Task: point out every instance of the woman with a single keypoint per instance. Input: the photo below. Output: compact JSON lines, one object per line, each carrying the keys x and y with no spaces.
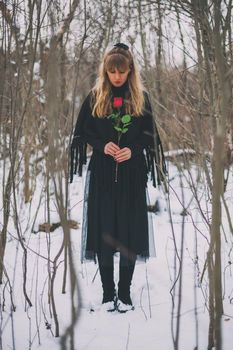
{"x":125,"y":152}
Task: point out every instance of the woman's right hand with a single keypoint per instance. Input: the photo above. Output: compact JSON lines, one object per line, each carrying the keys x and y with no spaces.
{"x":111,"y":148}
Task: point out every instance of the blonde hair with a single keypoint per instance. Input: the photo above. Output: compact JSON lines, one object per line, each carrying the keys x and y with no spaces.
{"x":121,"y":59}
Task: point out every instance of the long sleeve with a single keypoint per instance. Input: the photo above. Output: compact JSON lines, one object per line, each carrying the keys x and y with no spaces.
{"x":84,"y":133}
{"x":89,"y":132}
{"x":148,"y":132}
{"x":78,"y":147}
{"x":150,"y":141}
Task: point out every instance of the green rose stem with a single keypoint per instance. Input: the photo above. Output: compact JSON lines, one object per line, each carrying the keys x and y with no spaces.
{"x":121,"y":126}
{"x":118,"y":143}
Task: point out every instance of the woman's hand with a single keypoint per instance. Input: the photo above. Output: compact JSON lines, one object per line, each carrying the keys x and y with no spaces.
{"x":111,"y":148}
{"x":123,"y":154}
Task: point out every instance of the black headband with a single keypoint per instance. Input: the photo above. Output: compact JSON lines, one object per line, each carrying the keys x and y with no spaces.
{"x":122,"y":46}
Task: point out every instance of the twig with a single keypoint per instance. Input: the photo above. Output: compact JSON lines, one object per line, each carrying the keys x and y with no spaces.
{"x":127,"y":343}
{"x":141,"y":304}
{"x":148,"y":292}
{"x":93,"y":279}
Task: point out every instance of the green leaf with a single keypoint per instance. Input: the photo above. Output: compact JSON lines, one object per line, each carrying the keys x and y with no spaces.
{"x":127,"y":124}
{"x":113,"y":116}
{"x":126,"y":118}
{"x":118,"y":129}
{"x":124,"y":130}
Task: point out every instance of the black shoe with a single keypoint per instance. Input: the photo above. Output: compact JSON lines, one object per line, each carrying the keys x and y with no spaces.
{"x":109,"y":305}
{"x":123,"y":308}
{"x":124,"y":302}
{"x":109,"y":292}
{"x":124,"y":296}
{"x":109,"y":295}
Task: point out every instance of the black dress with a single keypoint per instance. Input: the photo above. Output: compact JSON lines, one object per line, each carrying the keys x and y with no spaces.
{"x":115,"y":213}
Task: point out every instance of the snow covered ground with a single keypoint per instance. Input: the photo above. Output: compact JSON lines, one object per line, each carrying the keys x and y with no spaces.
{"x":150,"y":325}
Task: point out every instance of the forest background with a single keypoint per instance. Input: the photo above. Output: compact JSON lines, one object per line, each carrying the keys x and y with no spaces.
{"x":49,"y":56}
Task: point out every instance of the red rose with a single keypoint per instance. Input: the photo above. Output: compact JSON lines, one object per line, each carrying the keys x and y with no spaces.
{"x":117,"y":101}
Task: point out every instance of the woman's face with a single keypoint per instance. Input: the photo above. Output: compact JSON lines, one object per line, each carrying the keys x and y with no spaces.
{"x":118,"y":77}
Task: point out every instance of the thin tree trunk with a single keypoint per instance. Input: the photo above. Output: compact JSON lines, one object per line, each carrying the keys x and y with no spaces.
{"x":211,"y":335}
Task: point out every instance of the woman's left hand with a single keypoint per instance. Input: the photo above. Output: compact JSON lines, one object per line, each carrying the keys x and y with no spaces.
{"x":123,"y":154}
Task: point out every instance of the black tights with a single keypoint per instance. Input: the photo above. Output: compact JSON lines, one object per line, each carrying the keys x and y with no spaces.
{"x":106,"y":268}
{"x":106,"y":259}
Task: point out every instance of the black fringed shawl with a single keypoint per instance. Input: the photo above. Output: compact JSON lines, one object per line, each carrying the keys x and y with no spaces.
{"x":78,"y":149}
{"x":154,"y":150}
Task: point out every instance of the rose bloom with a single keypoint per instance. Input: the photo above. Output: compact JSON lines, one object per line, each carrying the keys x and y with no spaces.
{"x":117,"y":101}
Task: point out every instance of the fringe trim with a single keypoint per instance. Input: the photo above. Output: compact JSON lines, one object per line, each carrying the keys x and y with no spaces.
{"x":78,"y":157}
{"x":155,"y":159}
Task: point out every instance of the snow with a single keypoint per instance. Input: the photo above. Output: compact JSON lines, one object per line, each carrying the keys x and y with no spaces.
{"x":147,"y":327}
{"x":36,"y":71}
{"x":173,"y":153}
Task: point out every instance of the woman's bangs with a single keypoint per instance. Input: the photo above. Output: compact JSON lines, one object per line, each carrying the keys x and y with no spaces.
{"x":116,"y":61}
